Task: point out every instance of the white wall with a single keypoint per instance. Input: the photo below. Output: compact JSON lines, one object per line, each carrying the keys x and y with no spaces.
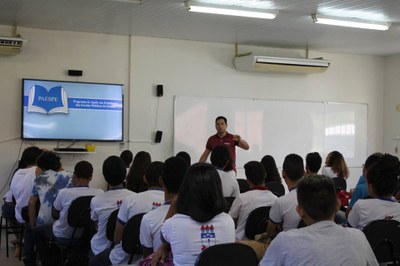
{"x":184,"y":68}
{"x":391,"y":100}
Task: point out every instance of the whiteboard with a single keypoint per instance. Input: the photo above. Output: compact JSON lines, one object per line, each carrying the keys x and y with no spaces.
{"x":273,"y":127}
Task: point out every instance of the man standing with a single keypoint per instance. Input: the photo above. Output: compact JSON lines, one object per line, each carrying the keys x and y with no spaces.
{"x":223,"y":138}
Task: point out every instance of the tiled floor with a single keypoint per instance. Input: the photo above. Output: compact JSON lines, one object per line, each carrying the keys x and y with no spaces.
{"x":11,"y":260}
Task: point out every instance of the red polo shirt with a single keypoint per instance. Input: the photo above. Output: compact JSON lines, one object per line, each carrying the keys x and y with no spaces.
{"x":227,"y":140}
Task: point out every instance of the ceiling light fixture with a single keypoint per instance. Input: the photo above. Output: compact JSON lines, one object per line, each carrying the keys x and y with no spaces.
{"x":350,"y":22}
{"x":193,"y":6}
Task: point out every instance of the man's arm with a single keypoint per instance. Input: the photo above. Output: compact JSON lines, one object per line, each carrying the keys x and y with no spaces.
{"x":272,"y":229}
{"x":32,"y":210}
{"x":241,"y":142}
{"x":204,"y":156}
{"x":119,"y":229}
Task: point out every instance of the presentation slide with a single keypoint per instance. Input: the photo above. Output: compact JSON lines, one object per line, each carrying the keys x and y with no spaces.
{"x":62,"y":110}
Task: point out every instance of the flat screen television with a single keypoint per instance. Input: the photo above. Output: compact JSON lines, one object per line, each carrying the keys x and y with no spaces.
{"x":64,"y":110}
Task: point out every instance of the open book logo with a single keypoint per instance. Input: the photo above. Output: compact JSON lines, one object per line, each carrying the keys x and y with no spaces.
{"x":47,"y":102}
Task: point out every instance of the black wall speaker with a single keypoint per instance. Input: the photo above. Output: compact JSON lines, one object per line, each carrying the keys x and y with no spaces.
{"x":160,"y":90}
{"x":158,"y":136}
{"x":75,"y":73}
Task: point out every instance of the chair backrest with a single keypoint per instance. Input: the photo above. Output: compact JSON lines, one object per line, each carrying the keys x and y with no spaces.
{"x":112,"y":219}
{"x":384,"y":238}
{"x":231,"y":254}
{"x":257,"y":222}
{"x":276,"y":187}
{"x":229,"y":201}
{"x":243,"y":185}
{"x":130,"y":237}
{"x":79,"y":212}
{"x":79,"y":218}
{"x":340,"y":183}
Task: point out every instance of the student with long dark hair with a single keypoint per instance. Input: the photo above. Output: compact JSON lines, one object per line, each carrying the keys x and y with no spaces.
{"x":382,"y":179}
{"x":272,"y":173}
{"x":200,"y":220}
{"x":134,"y":179}
{"x":335,"y":166}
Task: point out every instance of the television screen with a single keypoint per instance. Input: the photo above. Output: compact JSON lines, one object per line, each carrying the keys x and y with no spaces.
{"x":64,"y":110}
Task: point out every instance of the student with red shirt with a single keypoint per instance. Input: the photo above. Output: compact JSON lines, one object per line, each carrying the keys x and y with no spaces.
{"x":224,"y":138}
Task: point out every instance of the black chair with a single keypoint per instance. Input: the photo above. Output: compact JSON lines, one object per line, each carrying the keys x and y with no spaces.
{"x":276,"y":187}
{"x":257,"y":222}
{"x":340,"y":183}
{"x":78,"y":246}
{"x":130,"y":238}
{"x":10,"y":230}
{"x":243,"y":185}
{"x":229,"y":201}
{"x":112,"y":219}
{"x":384,"y":238}
{"x":231,"y":254}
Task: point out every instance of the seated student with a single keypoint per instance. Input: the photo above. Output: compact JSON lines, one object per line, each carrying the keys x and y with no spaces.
{"x":171,"y":180}
{"x":45,"y":189}
{"x":382,"y":178}
{"x":335,"y":166}
{"x":284,"y":209}
{"x":83,"y":173}
{"x":142,"y":202}
{"x":257,"y":197}
{"x":134,"y":179}
{"x":127,"y":157}
{"x":322,"y":242}
{"x":200,"y":221}
{"x":361,"y":190}
{"x":313,"y":163}
{"x":221,"y":159}
{"x":114,"y":172}
{"x":271,"y":171}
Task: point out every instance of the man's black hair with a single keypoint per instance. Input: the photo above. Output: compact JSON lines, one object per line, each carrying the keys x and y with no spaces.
{"x":127,"y":157}
{"x":48,"y":160}
{"x":314,"y":161}
{"x":221,"y":158}
{"x":221,"y":117}
{"x":384,"y":175}
{"x":293,"y":167}
{"x":185,"y":156}
{"x":83,"y":169}
{"x":316,"y":195}
{"x":255,"y":172}
{"x":114,"y":170}
{"x":153,"y":173}
{"x":173,"y":172}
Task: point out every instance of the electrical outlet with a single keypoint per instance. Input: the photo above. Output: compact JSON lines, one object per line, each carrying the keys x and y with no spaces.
{"x":396,"y":149}
{"x":121,"y":146}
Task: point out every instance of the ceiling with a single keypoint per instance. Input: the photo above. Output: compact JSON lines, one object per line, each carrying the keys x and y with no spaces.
{"x":293,"y":27}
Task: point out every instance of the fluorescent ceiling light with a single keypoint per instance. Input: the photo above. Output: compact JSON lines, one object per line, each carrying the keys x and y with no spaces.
{"x":230,"y":10}
{"x":354,"y":23}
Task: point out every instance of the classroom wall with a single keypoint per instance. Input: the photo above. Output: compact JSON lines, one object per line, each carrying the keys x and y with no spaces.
{"x":391,"y":100}
{"x":184,"y":68}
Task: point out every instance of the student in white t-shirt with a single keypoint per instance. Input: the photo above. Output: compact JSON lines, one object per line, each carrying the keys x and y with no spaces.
{"x":322,"y":242}
{"x":283,"y":212}
{"x":171,"y":180}
{"x":222,"y":160}
{"x":259,"y":196}
{"x":382,"y":179}
{"x":137,"y":203}
{"x":114,"y":172}
{"x":200,"y":221}
{"x":335,"y":166}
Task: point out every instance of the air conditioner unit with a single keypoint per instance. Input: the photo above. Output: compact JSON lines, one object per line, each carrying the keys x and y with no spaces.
{"x":10,"y":46}
{"x":280,"y":64}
